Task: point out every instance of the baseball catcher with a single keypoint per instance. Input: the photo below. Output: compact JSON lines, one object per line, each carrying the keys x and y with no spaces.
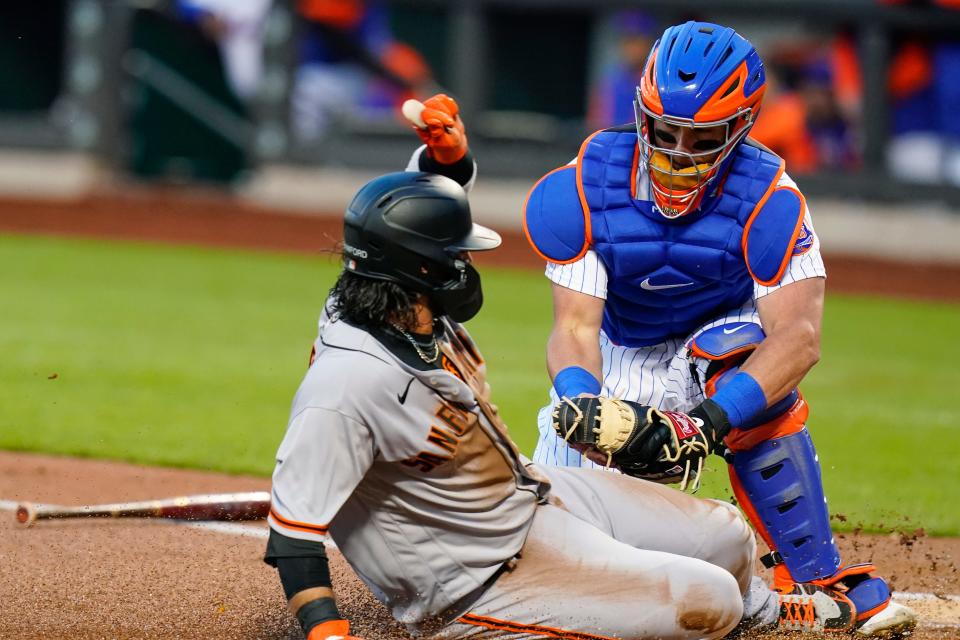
{"x":686,"y":275}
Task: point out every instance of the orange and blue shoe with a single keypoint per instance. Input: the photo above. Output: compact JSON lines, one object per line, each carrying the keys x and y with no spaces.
{"x":812,"y":608}
{"x":817,"y":609}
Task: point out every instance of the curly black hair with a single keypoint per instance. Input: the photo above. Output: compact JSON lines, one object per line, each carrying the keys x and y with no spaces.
{"x":372,"y":304}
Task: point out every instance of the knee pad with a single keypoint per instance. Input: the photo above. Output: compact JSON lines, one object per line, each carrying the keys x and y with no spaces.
{"x":725,"y":347}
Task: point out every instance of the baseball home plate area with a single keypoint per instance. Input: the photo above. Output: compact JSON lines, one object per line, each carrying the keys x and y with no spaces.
{"x":95,"y":578}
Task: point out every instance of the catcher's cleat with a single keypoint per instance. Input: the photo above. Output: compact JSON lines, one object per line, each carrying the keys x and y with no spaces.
{"x":812,"y":608}
{"x":894,"y":621}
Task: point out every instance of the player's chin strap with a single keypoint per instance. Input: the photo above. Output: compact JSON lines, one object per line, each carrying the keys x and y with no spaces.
{"x":775,"y":475}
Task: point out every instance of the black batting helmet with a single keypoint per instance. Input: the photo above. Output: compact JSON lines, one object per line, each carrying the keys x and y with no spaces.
{"x":413,"y":229}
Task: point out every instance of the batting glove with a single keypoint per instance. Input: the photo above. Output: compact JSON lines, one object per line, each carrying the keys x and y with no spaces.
{"x":437,"y":122}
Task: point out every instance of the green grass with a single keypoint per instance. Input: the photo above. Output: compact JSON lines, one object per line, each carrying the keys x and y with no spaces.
{"x":189,"y":357}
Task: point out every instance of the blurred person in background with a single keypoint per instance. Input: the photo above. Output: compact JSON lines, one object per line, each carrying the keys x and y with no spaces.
{"x":923,"y":87}
{"x":833,"y":139}
{"x":611,"y":98}
{"x":804,"y":123}
{"x":782,"y":126}
{"x":349,"y":63}
{"x":237,"y":28}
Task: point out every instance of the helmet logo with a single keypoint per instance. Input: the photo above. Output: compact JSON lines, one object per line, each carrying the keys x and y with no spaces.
{"x":354,"y":251}
{"x":669,"y":212}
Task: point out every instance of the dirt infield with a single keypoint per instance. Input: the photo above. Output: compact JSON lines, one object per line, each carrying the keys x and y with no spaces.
{"x":210,"y":219}
{"x":147,"y":578}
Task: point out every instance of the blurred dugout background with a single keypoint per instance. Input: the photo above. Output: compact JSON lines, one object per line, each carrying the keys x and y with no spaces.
{"x":293,"y":102}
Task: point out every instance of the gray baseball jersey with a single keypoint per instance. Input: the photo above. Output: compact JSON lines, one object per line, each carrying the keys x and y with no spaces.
{"x":424,"y":496}
{"x":414,"y":477}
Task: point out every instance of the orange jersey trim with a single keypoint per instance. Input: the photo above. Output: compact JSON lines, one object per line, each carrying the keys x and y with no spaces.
{"x":298,"y":526}
{"x":344,"y":14}
{"x":534,"y":629}
{"x":633,"y":171}
{"x":526,"y":231}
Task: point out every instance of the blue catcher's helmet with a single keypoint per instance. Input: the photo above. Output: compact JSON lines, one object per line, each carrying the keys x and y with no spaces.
{"x":699,"y":95}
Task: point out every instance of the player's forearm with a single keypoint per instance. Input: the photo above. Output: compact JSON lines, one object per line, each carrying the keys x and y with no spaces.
{"x":305,"y":576}
{"x":783,"y":359}
{"x":791,"y":318}
{"x":573,"y":347}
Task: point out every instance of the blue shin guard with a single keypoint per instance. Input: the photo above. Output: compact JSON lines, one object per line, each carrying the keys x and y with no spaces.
{"x":775,"y":475}
{"x":778,"y":483}
{"x":780,"y":480}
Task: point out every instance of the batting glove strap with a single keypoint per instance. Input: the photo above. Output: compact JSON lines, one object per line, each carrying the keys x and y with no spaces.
{"x":716,"y":423}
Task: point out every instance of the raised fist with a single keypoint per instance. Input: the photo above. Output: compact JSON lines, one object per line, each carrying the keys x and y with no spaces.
{"x":437,"y":121}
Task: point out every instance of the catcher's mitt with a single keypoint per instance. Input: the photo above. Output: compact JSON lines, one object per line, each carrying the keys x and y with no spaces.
{"x":662,"y":446}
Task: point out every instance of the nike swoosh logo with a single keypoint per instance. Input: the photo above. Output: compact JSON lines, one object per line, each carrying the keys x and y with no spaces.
{"x":735,"y":329}
{"x":403,"y":397}
{"x":654,"y":287}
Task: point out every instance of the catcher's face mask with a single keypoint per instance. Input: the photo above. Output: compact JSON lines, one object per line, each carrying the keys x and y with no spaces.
{"x":683,"y":157}
{"x":699,"y":94}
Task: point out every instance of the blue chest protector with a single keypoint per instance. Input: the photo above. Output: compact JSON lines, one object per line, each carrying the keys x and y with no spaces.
{"x":665,"y":277}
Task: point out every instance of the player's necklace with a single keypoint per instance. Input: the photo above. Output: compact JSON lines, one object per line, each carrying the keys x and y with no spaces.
{"x":416,"y":345}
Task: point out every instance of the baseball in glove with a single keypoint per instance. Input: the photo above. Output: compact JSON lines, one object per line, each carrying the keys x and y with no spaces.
{"x":662,"y":446}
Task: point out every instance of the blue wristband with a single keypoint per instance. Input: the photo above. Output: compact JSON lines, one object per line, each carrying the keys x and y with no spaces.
{"x":742,"y":399}
{"x":573,"y":381}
